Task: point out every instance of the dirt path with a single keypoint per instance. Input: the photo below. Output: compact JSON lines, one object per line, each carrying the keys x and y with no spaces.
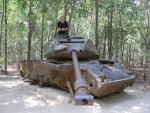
{"x":20,"y":97}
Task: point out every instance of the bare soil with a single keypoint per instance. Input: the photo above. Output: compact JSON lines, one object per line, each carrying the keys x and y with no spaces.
{"x":17,"y":96}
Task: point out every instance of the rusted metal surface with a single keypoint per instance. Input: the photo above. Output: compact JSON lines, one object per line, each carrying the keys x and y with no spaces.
{"x":81,"y":45}
{"x":101,"y":81}
{"x":82,"y":96}
{"x":88,"y":77}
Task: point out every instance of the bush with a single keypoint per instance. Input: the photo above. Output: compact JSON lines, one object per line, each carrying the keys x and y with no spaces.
{"x":10,"y":61}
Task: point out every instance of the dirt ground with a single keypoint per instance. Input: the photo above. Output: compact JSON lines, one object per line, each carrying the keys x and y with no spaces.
{"x":17,"y":96}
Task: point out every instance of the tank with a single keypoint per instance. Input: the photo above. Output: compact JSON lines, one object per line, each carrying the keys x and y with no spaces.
{"x":73,"y":64}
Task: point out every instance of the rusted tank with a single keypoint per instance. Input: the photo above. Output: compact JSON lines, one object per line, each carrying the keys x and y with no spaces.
{"x":73,"y":64}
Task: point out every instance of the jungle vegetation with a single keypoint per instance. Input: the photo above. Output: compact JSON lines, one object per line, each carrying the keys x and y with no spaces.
{"x":120,"y":29}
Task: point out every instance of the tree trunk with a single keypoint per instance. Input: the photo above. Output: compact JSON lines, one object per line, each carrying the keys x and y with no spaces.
{"x":71,"y":13}
{"x":116,"y":49}
{"x":145,"y":35}
{"x":110,"y":18}
{"x":16,"y":45}
{"x":5,"y":4}
{"x":105,"y":40}
{"x":104,"y":47}
{"x":96,"y":23}
{"x":111,"y":48}
{"x":129,"y":56}
{"x":56,"y":17}
{"x":127,"y":53}
{"x":148,"y":32}
{"x":108,"y":34}
{"x":121,"y":36}
{"x":30,"y":30}
{"x":1,"y":32}
{"x":65,"y":8}
{"x":42,"y":32}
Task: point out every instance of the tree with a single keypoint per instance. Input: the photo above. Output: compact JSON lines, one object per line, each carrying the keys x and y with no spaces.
{"x":71,"y":13}
{"x":65,"y":8}
{"x":30,"y":30}
{"x":5,"y":16}
{"x":110,"y":19}
{"x":96,"y":23}
{"x":42,"y":30}
{"x":1,"y":27}
{"x":114,"y":25}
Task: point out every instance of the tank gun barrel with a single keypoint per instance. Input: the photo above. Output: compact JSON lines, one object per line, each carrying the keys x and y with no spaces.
{"x":82,"y":96}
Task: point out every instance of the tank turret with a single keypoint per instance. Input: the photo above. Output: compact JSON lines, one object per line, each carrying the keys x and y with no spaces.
{"x":61,"y":48}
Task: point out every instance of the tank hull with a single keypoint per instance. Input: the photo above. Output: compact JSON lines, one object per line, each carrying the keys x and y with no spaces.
{"x":103,"y":78}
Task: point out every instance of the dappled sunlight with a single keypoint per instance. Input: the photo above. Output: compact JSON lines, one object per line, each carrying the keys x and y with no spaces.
{"x":130,"y":91}
{"x":52,"y":95}
{"x":96,"y":105}
{"x":71,"y":108}
{"x":6,"y":103}
{"x":15,"y":101}
{"x":11,"y":102}
{"x":51,"y":103}
{"x":129,"y":101}
{"x":25,"y":98}
{"x":144,"y":104}
{"x":32,"y":102}
{"x":127,"y":108}
{"x":7,"y":84}
{"x":136,"y":107}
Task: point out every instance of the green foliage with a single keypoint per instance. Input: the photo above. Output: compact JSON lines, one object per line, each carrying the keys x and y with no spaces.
{"x":10,"y":61}
{"x":129,"y":18}
{"x":1,"y":61}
